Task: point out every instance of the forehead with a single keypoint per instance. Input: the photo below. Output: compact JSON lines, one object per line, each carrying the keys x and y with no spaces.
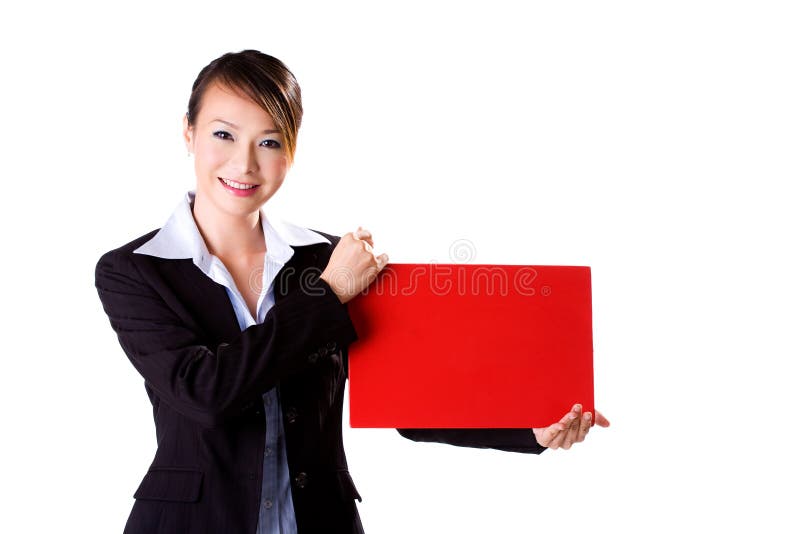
{"x":223,"y":102}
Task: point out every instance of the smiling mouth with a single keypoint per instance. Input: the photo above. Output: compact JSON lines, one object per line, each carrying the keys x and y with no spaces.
{"x":237,"y":185}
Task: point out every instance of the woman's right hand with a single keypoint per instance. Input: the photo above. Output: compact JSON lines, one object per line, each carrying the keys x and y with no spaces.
{"x":353,"y":266}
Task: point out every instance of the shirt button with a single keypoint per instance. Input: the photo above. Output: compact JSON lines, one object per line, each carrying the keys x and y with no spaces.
{"x":267,"y":451}
{"x":291,"y":415}
{"x":301,"y":480}
{"x":267,"y":504}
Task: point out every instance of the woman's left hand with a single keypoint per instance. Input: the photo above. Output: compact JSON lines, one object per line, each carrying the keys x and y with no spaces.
{"x":572,"y":428}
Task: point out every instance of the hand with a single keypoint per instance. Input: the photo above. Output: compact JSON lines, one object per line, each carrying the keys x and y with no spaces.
{"x":353,"y":266}
{"x":572,"y":428}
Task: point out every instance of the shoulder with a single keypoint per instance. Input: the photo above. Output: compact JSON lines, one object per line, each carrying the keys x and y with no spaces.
{"x":333,"y":238}
{"x":121,"y":256}
{"x":318,"y":253}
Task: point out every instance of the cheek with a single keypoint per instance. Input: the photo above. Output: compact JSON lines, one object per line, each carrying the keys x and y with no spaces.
{"x":275,"y":166}
{"x":210,"y":156}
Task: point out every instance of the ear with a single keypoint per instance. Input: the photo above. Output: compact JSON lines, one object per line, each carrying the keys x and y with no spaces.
{"x":188,"y":134}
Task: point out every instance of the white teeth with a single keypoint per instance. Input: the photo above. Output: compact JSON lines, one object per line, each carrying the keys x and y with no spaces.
{"x":237,"y":185}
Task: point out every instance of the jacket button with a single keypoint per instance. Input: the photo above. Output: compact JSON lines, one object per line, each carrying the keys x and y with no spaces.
{"x":313,"y":357}
{"x":331,"y":347}
{"x":291,"y":414}
{"x":301,"y":480}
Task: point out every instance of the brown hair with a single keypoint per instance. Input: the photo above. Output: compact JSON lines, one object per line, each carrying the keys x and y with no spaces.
{"x":262,"y":78}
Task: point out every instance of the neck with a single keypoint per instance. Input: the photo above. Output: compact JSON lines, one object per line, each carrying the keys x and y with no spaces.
{"x":228,"y":235}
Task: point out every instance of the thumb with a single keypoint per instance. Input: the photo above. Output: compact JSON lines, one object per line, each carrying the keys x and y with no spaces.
{"x":600,"y":419}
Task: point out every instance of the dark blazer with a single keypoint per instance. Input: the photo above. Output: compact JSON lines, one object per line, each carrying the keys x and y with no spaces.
{"x":205,"y":377}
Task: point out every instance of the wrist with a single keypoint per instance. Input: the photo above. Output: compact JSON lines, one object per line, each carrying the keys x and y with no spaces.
{"x":325,"y":278}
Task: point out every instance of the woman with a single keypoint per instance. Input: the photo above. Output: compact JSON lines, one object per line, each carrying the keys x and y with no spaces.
{"x":238,"y":324}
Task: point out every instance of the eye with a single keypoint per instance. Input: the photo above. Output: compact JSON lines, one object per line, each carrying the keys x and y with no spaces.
{"x":270,"y":143}
{"x":221,"y":134}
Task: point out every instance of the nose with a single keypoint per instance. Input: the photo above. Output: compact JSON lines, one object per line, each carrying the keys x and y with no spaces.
{"x":244,"y":160}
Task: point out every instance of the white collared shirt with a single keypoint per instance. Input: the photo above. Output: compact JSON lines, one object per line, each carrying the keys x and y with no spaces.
{"x":180,"y":238}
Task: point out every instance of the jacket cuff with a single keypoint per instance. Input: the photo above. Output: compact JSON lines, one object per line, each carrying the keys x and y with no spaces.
{"x":504,"y":439}
{"x":316,"y":293}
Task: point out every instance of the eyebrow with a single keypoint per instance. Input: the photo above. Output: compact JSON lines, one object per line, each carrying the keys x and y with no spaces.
{"x":236,"y":127}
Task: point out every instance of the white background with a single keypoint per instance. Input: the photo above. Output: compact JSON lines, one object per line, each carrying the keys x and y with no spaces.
{"x":656,"y":142}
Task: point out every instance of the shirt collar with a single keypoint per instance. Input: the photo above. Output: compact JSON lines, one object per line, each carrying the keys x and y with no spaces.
{"x":180,"y":238}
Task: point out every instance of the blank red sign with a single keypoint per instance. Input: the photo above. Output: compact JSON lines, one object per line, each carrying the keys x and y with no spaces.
{"x":471,"y":346}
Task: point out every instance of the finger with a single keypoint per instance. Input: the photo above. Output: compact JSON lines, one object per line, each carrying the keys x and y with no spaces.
{"x":545,"y":435}
{"x":553,"y":435}
{"x":568,"y":418}
{"x":365,"y":236}
{"x":382,"y":260}
{"x":600,"y":419}
{"x":586,"y":424}
{"x":362,"y":233}
{"x":571,"y":433}
{"x":574,"y":427}
{"x":554,"y":431}
{"x":558,"y":440}
{"x":368,"y":239}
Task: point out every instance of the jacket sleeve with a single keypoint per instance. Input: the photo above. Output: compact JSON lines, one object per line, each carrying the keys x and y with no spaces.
{"x":504,"y":439}
{"x":212,"y":385}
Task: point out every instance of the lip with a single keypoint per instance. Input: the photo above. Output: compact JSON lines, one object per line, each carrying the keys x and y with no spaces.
{"x":239,"y":192}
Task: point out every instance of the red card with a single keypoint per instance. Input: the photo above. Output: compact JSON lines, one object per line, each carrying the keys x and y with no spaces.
{"x":471,"y":346}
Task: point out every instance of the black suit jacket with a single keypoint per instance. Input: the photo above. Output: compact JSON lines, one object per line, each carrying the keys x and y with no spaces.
{"x":205,"y":377}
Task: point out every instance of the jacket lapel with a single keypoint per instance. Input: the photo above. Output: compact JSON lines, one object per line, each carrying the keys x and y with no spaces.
{"x":207,"y":302}
{"x":307,"y":261}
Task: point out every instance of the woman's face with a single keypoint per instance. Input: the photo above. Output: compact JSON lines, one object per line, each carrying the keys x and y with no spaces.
{"x":235,"y":140}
